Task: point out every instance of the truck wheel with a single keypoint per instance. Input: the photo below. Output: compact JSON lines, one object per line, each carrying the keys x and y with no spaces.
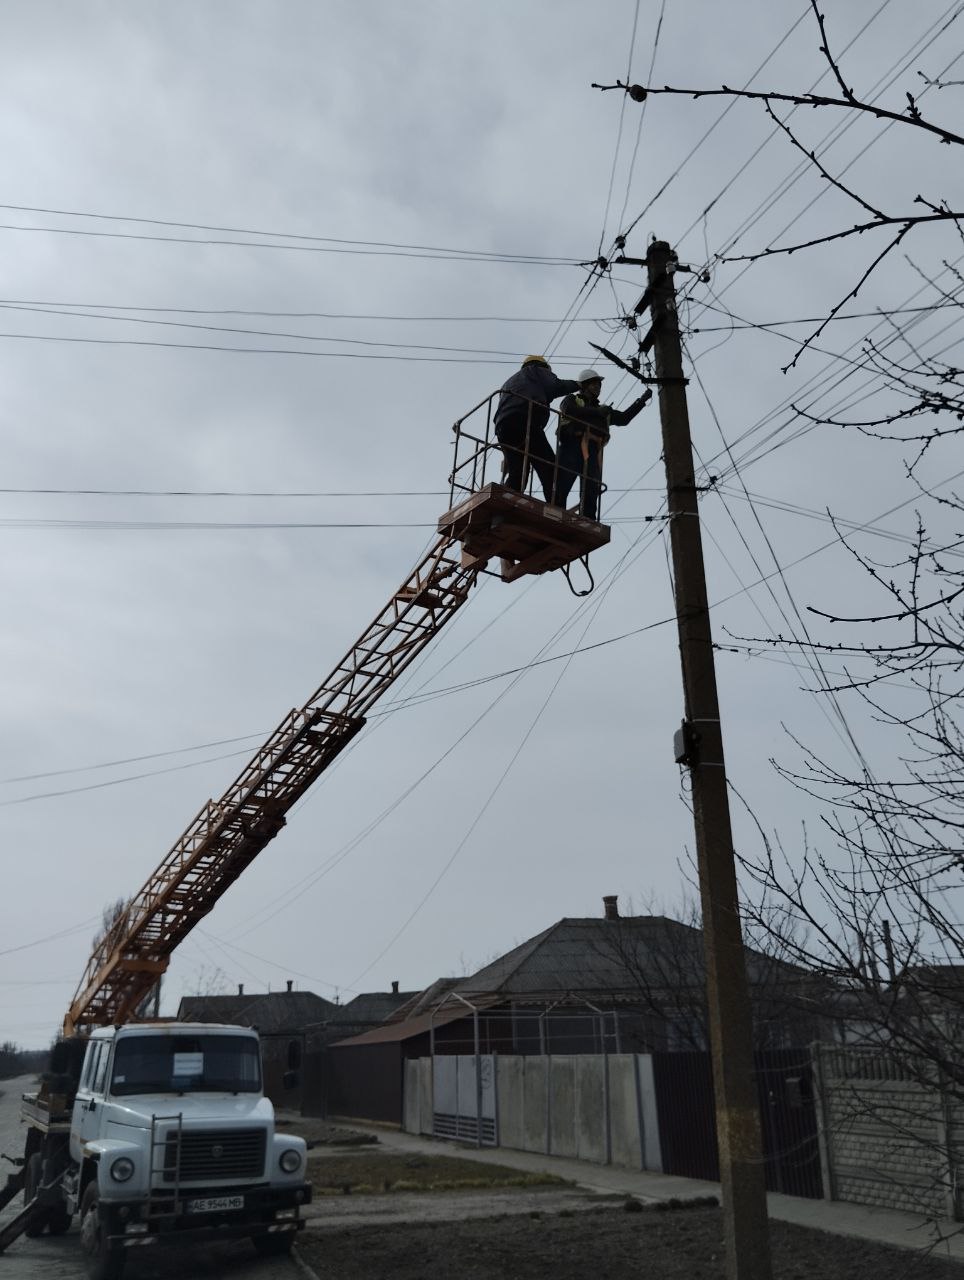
{"x":58,"y":1223}
{"x":103,"y":1262}
{"x":31,"y":1181}
{"x":271,"y":1246}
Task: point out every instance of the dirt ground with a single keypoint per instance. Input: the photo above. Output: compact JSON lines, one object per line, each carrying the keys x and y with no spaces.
{"x":319,"y":1133}
{"x":605,"y":1244}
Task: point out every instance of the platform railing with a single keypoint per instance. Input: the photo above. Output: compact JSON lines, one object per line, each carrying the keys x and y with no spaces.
{"x":480,"y":458}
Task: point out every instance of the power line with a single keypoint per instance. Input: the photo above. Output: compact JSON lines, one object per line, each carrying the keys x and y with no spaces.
{"x":781,"y":188}
{"x":261,"y":333}
{"x":226,"y":946}
{"x":51,"y":937}
{"x":642,"y":109}
{"x":619,"y":130}
{"x":806,"y":647}
{"x":155,"y":526}
{"x":263,"y":493}
{"x":818,"y":382}
{"x":314,"y":244}
{"x":299,"y":315}
{"x":880,"y":314}
{"x":307,"y":882}
{"x":722,"y":115}
{"x":267,"y":351}
{"x":483,"y":809}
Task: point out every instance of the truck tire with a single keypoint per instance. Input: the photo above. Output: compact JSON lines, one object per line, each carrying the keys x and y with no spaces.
{"x":102,"y":1261}
{"x":58,"y":1222}
{"x":275,"y":1244}
{"x":31,"y":1181}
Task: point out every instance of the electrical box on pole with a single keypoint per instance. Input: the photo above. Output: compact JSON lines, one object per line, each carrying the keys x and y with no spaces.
{"x":698,"y":745}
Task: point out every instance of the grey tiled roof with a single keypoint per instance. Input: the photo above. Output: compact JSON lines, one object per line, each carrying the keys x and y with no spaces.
{"x":423,"y":1000}
{"x":270,"y":1012}
{"x":600,"y":956}
{"x":372,"y":1007}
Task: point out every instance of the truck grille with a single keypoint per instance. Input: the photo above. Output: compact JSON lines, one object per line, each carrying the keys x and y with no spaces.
{"x":215,"y":1156}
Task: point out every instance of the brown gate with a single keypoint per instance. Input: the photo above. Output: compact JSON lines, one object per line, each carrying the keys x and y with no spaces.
{"x":687,"y":1125}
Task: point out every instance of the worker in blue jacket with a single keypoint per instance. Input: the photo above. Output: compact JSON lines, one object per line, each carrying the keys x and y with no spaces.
{"x":520,"y":423}
{"x":583,"y":433}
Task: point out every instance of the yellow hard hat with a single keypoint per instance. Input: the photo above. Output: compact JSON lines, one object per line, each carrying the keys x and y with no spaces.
{"x":535,"y":360}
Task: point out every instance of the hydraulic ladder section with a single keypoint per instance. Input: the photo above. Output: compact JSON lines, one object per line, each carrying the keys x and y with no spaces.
{"x":229,"y":833}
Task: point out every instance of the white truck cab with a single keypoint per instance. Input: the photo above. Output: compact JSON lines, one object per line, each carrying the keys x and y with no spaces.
{"x":170,"y":1138}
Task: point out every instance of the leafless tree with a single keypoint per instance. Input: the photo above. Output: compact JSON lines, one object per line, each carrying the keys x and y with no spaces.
{"x":894,"y":226}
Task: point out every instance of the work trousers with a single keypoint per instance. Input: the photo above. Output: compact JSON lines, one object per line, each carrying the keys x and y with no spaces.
{"x":589,"y":471}
{"x":511,"y":436}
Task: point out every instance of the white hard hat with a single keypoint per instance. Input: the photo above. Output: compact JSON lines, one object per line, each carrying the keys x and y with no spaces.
{"x":589,"y":375}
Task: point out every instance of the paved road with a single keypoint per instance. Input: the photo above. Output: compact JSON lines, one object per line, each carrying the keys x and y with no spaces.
{"x":49,"y":1258}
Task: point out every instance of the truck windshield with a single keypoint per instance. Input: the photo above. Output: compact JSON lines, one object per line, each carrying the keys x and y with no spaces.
{"x":186,"y":1064}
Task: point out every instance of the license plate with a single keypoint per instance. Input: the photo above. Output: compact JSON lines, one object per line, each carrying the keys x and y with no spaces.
{"x":215,"y":1204}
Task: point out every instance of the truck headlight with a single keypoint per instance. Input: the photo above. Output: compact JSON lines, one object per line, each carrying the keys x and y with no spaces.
{"x":122,"y":1169}
{"x":290,"y":1160}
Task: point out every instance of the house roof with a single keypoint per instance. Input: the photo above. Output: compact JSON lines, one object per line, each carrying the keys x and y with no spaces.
{"x":604,"y":957}
{"x":372,"y":1006}
{"x":271,"y":1012}
{"x":586,"y":955}
{"x":421,"y":1001}
{"x":395,"y":1032}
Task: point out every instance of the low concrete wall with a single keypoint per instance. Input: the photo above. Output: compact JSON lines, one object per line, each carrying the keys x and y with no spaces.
{"x":594,"y":1107}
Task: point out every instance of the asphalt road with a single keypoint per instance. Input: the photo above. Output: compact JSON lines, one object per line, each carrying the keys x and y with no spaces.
{"x":48,"y":1258}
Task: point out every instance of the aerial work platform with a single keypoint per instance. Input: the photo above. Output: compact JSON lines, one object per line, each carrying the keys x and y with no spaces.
{"x":495,"y":522}
{"x":526,"y":534}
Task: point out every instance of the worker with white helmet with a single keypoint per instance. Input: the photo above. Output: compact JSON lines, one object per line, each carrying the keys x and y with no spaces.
{"x":520,"y":423}
{"x":583,"y":433}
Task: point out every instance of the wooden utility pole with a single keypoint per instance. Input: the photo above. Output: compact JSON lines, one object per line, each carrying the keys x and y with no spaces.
{"x":700,"y":747}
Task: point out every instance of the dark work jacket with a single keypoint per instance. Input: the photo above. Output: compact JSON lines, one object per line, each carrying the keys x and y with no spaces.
{"x":578,"y":418}
{"x":535,"y":383}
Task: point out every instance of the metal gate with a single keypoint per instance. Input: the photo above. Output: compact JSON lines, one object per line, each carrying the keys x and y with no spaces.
{"x":687,"y":1122}
{"x":464,"y":1098}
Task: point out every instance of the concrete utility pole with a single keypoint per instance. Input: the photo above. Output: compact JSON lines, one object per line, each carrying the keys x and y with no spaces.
{"x":700,"y":747}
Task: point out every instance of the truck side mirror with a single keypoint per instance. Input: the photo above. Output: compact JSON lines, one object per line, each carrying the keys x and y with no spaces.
{"x":290,"y":1080}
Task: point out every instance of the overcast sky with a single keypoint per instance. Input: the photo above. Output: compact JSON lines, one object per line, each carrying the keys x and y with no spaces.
{"x":150,"y":640}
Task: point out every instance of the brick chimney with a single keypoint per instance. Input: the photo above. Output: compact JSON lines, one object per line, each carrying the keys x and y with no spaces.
{"x":240,"y":988}
{"x":394,"y":988}
{"x":290,"y":983}
{"x":611,"y":907}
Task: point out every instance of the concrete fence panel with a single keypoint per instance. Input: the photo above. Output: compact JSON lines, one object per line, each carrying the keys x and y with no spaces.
{"x":592,"y":1108}
{"x":512,"y":1102}
{"x":624,"y":1126}
{"x":562,"y":1085}
{"x":886,"y":1132}
{"x":535,"y":1103}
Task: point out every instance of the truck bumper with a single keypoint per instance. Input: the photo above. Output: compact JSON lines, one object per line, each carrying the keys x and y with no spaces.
{"x":264,"y":1211}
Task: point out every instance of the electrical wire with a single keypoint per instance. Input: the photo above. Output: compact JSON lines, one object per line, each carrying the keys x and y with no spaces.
{"x":482,"y":258}
{"x":642,"y":109}
{"x":269,"y":351}
{"x":266,"y":333}
{"x":722,"y":115}
{"x":307,"y":882}
{"x":805,"y":646}
{"x":484,"y":807}
{"x":359,"y":245}
{"x":776,"y":133}
{"x":51,"y":937}
{"x":619,"y":130}
{"x":297,"y":315}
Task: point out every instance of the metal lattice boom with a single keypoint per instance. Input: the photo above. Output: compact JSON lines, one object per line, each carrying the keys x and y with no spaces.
{"x":229,"y":833}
